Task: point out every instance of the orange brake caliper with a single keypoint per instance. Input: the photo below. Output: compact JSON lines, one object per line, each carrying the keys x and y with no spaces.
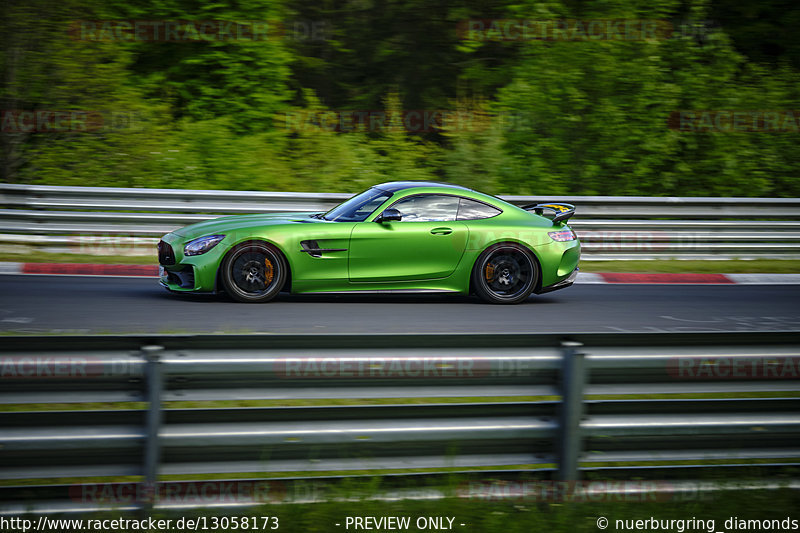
{"x":268,"y":274}
{"x":489,"y":272}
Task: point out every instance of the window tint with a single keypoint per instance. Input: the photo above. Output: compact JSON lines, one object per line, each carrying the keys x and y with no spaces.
{"x":472,"y":210}
{"x":359,"y":207}
{"x":428,"y":208}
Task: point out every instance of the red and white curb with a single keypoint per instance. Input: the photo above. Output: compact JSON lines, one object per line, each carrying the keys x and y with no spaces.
{"x":80,"y":269}
{"x":151,"y":271}
{"x":686,"y":278}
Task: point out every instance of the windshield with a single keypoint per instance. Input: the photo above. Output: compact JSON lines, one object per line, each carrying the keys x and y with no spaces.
{"x":359,"y":207}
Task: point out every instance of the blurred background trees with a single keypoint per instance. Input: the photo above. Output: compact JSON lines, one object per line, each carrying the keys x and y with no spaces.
{"x":525,"y":117}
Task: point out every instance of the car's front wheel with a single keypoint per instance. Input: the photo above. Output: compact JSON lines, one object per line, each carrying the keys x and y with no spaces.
{"x":253,"y":272}
{"x":505,"y":273}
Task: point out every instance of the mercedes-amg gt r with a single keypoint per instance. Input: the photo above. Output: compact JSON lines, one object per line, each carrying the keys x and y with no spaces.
{"x":393,"y":237}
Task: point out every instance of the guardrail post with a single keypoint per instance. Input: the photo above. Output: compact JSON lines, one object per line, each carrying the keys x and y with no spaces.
{"x":152,"y":449}
{"x":573,"y":380}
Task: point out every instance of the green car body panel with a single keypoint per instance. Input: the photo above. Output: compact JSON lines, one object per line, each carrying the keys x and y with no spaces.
{"x":375,"y":255}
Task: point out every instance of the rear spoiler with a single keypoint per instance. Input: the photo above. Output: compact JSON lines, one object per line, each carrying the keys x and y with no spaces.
{"x":562,"y":211}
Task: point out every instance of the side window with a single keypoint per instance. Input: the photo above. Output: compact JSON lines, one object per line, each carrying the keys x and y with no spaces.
{"x":472,"y":210}
{"x":428,"y":208}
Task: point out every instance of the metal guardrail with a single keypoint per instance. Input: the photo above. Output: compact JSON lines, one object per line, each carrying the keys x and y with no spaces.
{"x":563,"y":428}
{"x":104,"y":220}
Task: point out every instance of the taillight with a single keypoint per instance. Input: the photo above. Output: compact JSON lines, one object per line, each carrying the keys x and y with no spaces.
{"x":562,"y":236}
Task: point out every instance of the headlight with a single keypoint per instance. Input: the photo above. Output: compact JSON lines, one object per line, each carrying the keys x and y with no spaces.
{"x":202,"y":245}
{"x":562,"y":236}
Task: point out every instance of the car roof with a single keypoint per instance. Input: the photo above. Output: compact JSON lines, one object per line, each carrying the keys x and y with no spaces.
{"x":394,"y":186}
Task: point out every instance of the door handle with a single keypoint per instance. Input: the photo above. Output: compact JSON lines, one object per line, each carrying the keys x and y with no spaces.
{"x":441,"y":231}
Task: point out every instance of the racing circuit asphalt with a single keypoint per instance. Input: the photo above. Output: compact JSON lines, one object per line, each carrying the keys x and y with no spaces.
{"x":99,"y":305}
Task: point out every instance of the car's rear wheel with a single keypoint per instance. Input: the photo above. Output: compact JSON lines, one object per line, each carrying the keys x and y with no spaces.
{"x":253,"y":272}
{"x":505,"y":273}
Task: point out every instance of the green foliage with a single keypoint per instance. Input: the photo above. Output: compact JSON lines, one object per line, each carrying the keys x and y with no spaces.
{"x":594,"y":122}
{"x":542,"y":117}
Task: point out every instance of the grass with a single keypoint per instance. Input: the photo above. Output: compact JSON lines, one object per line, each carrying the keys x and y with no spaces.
{"x":519,"y":471}
{"x":524,"y":470}
{"x":482,"y":511}
{"x":312,"y":402}
{"x":782,"y":266}
{"x":532,"y":514}
{"x":309,"y":402}
{"x":373,"y":474}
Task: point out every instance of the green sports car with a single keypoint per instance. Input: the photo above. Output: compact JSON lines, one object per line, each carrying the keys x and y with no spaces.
{"x":394,"y":237}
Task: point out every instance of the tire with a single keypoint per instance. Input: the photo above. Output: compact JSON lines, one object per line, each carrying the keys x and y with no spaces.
{"x":253,"y":272}
{"x":505,"y":274}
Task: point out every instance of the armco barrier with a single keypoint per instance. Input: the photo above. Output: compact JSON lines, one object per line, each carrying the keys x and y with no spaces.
{"x":545,"y":418}
{"x":116,"y":221}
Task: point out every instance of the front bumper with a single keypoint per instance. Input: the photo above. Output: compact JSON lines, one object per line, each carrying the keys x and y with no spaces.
{"x":563,"y":284}
{"x":179,"y":273}
{"x":181,"y":278}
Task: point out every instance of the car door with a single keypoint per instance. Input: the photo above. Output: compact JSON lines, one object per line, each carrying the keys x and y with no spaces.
{"x":427,"y":243}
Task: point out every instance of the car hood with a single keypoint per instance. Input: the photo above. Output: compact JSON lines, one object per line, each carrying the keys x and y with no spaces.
{"x":237,"y":222}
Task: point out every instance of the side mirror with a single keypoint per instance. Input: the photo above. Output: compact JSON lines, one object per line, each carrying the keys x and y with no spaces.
{"x":389,"y":214}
